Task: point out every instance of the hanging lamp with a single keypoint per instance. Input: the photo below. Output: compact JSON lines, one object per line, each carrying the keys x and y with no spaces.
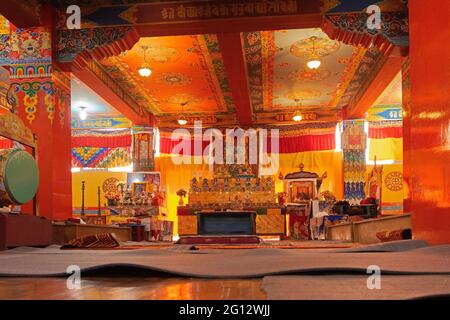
{"x":314,"y":61}
{"x":145,"y":71}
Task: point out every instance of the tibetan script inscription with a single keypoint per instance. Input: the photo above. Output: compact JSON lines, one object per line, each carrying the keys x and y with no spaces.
{"x":229,"y":10}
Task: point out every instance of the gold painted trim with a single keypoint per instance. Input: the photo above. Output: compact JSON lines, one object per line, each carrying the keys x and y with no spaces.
{"x":12,"y":127}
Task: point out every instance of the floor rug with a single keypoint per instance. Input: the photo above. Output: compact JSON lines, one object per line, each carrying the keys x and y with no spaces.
{"x":95,"y":241}
{"x":215,"y":263}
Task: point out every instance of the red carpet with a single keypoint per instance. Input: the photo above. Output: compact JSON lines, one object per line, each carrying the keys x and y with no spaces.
{"x":219,"y":240}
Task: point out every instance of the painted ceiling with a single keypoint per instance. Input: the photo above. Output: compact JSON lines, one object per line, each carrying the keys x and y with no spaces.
{"x":189,"y":76}
{"x":187,"y":73}
{"x":279,"y":78}
{"x":392,"y":94}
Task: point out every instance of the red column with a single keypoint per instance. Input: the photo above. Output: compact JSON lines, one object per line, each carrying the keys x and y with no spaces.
{"x":406,"y":104}
{"x":45,"y":109}
{"x":43,"y":95}
{"x":62,"y":148}
{"x":428,"y":150}
{"x":31,"y":109}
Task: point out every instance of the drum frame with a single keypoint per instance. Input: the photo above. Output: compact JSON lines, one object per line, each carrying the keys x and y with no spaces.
{"x":13,"y":128}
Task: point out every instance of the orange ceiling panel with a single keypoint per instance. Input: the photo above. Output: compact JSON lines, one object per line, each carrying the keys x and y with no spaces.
{"x":392,"y":95}
{"x":186,"y":70}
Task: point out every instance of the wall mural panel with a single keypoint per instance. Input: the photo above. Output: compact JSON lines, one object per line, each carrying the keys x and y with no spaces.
{"x":27,"y":54}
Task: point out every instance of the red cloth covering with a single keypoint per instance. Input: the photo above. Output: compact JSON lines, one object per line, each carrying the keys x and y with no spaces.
{"x":287,"y":144}
{"x":304,"y":143}
{"x":5,"y":143}
{"x":386,"y":131}
{"x":183,"y":211}
{"x":101,"y":139}
{"x":166,"y":145}
{"x":298,"y":227}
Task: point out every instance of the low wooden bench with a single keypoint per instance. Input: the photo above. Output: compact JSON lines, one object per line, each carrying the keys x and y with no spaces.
{"x":24,"y":230}
{"x":365,"y":231}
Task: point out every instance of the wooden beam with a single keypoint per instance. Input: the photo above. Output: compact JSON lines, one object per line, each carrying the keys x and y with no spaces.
{"x":104,"y":91}
{"x":384,"y":77}
{"x":22,"y":14}
{"x":233,"y":57}
{"x":299,"y":21}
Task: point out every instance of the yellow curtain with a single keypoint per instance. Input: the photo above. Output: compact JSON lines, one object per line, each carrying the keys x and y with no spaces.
{"x":178,"y":176}
{"x":315,"y":161}
{"x":175,"y":177}
{"x":386,"y":149}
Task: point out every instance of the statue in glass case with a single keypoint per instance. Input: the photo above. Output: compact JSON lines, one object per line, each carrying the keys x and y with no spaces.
{"x":302,"y":186}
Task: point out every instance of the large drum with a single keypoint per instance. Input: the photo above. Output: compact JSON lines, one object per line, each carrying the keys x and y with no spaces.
{"x":19,"y":177}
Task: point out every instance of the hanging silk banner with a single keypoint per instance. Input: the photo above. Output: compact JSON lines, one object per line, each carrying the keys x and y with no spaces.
{"x":354,"y":149}
{"x":143,"y":151}
{"x":101,"y":149}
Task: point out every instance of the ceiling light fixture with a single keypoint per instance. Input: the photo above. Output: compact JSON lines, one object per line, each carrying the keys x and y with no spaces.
{"x":313,"y":62}
{"x":182,"y":119}
{"x":83,"y":113}
{"x":144,"y":70}
{"x":297,"y":116}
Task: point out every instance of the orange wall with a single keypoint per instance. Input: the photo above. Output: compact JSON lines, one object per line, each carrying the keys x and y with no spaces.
{"x":427,"y":128}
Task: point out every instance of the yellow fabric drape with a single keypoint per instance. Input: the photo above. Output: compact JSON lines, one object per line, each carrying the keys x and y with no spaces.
{"x":386,"y":149}
{"x":175,"y":177}
{"x":315,"y":161}
{"x":178,"y":176}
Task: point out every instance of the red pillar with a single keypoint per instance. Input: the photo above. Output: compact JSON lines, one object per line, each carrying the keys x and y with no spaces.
{"x":43,"y":95}
{"x":62,"y":148}
{"x":428,"y":124}
{"x":31,"y":111}
{"x":47,"y":113}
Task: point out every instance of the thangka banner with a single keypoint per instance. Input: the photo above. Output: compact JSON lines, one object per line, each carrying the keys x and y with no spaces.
{"x":143,"y":151}
{"x":354,"y":149}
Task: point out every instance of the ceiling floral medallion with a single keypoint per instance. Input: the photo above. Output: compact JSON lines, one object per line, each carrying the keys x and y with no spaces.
{"x":304,"y":94}
{"x":174,"y":79}
{"x":163,"y":54}
{"x":309,"y":75}
{"x":322,"y":47}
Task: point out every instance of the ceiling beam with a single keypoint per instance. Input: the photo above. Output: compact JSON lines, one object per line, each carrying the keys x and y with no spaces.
{"x":110,"y":96}
{"x":233,"y":58}
{"x":22,"y":14}
{"x":383,"y":78}
{"x":299,"y":21}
